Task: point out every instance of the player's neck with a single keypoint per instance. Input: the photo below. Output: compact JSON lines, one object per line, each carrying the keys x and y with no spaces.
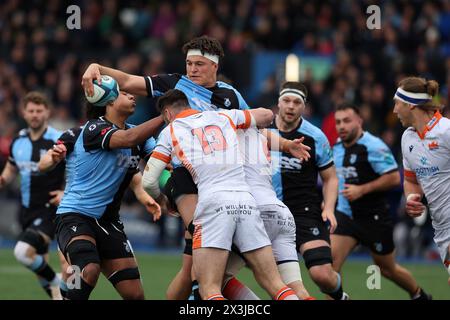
{"x":353,"y":141}
{"x":285,"y":126}
{"x":421,"y":120}
{"x":35,"y":134}
{"x":116,"y":119}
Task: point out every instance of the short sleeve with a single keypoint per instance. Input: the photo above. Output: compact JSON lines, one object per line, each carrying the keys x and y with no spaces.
{"x":157,"y":85}
{"x":148,"y":147}
{"x":381,"y":158}
{"x":241,"y":119}
{"x":69,"y":138}
{"x":163,"y":149}
{"x":97,"y":135}
{"x":242,"y":103}
{"x":324,"y":153}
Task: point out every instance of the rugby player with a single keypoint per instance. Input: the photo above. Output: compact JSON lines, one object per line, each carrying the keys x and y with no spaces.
{"x":426,"y":161}
{"x":41,"y":193}
{"x":102,"y":161}
{"x":366,"y":170}
{"x":204,"y":92}
{"x":226,"y":214}
{"x":295,"y":182}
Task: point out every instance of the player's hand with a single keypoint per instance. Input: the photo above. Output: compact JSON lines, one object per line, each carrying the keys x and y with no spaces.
{"x":92,"y":73}
{"x":166,"y":208}
{"x":298,"y":149}
{"x":152,"y":207}
{"x":59,"y":152}
{"x":329,"y":216}
{"x":353,"y":192}
{"x":56,"y":197}
{"x":414,"y":208}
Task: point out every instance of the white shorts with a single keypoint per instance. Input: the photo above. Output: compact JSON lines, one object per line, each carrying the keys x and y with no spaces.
{"x":442,"y":239}
{"x":229,"y":217}
{"x":280,"y":227}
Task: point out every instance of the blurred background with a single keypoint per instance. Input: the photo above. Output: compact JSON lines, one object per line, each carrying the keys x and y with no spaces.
{"x":340,"y":59}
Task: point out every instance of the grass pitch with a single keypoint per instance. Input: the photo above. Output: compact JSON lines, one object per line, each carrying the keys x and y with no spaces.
{"x":157,"y":270}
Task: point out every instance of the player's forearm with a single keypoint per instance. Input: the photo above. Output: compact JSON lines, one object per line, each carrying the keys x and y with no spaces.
{"x":8,"y":175}
{"x":150,"y":178}
{"x":261,"y":117}
{"x":136,"y":135}
{"x":330,"y":193}
{"x":275,"y":141}
{"x":383,"y":183}
{"x":410,"y":187}
{"x":127,"y":82}
{"x":46,"y":163}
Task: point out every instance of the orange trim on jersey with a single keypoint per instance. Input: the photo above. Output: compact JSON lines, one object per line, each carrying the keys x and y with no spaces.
{"x":180,"y":154}
{"x":248,"y":120}
{"x":161,"y":156}
{"x":434,"y":121}
{"x":186,"y":113}
{"x":231,"y":121}
{"x":409,"y":174}
{"x":197,"y":237}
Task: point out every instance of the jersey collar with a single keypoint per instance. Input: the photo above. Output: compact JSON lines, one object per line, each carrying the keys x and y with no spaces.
{"x":430,"y":125}
{"x":186,"y":113}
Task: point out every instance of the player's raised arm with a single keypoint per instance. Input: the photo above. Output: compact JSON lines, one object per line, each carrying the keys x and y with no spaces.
{"x":53,"y":156}
{"x":134,"y":136}
{"x":131,"y":83}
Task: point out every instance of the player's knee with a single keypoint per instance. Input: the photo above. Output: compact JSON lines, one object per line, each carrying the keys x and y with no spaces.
{"x":321,"y":275}
{"x":24,"y":253}
{"x":35,"y":240}
{"x":83,"y":254}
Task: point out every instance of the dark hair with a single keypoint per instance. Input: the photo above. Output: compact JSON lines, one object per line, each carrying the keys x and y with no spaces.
{"x":348,"y":105}
{"x":421,"y":85}
{"x":94,"y":112}
{"x":35,"y":97}
{"x":174,"y":98}
{"x":295,"y":85}
{"x":204,"y":44}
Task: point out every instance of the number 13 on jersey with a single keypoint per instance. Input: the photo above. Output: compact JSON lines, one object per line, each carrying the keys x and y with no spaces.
{"x":211,"y":138}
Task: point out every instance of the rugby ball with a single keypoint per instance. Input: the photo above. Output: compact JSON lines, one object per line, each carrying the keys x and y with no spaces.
{"x":105,"y":92}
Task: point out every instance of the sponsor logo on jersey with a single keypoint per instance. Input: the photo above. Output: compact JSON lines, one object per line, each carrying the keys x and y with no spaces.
{"x":288,"y":163}
{"x":37,"y":221}
{"x":426,"y":171}
{"x":125,"y":161}
{"x":433,"y":145}
{"x":347,"y":172}
{"x":411,"y":147}
{"x":92,"y":127}
{"x":29,"y":166}
{"x":73,"y":228}
{"x":127,"y":247}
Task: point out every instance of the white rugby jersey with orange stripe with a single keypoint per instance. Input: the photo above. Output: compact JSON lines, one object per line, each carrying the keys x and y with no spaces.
{"x":207,"y":145}
{"x":426,"y":157}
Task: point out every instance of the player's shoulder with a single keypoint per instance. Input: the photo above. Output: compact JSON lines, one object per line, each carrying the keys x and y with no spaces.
{"x":444,"y":125}
{"x":52,"y":133}
{"x":310,"y":129}
{"x":371,"y":142}
{"x":22,"y":134}
{"x":93,"y":124}
{"x":409,"y":133}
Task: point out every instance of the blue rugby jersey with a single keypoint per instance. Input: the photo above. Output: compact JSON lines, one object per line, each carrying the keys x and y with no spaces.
{"x":25,"y":155}
{"x":295,"y":182}
{"x":98,"y":176}
{"x":221,"y":96}
{"x":364,"y":161}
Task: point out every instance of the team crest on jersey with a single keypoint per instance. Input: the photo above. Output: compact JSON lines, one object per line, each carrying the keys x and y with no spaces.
{"x":423,"y":160}
{"x":227,"y":102}
{"x":378,"y":246}
{"x":315,"y":231}
{"x":353,"y":158}
{"x":127,"y":247}
{"x":433,"y":145}
{"x":37,"y":221}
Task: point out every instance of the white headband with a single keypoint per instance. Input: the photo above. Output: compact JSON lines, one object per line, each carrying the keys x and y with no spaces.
{"x":411,"y":97}
{"x":292,"y":92}
{"x":195,"y":52}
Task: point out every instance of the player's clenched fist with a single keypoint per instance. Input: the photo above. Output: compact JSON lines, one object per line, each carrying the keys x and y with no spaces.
{"x":414,"y":206}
